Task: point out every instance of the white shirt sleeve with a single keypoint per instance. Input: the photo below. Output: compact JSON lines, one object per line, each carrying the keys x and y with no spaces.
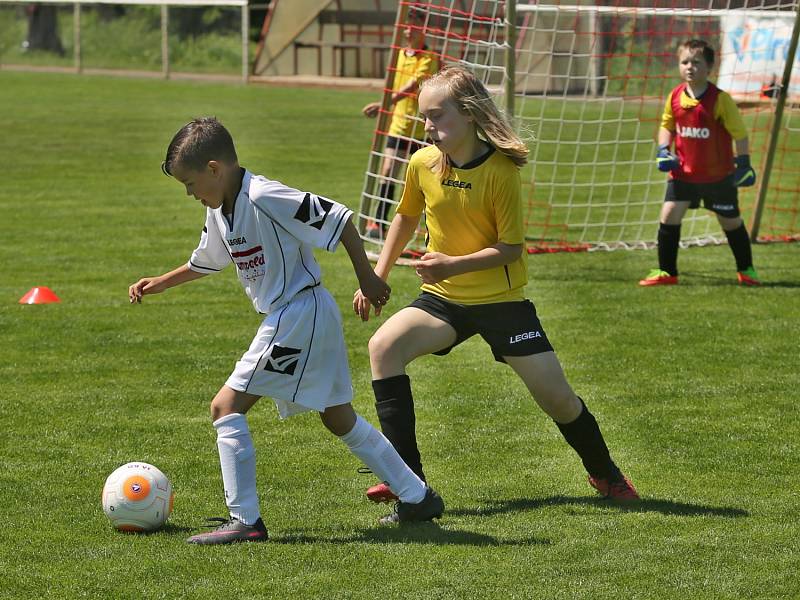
{"x":312,"y":219}
{"x":211,"y":255}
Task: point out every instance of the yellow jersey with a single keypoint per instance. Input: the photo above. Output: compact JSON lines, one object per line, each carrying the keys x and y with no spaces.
{"x":418,"y":65}
{"x":471,"y":208}
{"x":725,"y":111}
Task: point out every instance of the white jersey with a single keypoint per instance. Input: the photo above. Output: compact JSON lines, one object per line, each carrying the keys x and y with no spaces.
{"x":269,"y":238}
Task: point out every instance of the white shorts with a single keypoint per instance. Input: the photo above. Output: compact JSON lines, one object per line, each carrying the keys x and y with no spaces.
{"x":298,"y":357}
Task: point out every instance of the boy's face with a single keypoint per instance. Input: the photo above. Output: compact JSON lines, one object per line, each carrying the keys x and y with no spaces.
{"x":444,"y":123}
{"x":693,"y":66}
{"x":205,"y":185}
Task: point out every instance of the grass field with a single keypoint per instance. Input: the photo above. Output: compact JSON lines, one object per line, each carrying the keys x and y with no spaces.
{"x":695,"y":387}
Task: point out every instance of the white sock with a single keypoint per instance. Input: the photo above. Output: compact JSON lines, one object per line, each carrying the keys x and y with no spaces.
{"x":375,"y":451}
{"x":237,"y":457}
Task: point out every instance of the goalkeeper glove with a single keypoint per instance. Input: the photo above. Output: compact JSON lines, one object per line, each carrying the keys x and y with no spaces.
{"x":666,"y":160}
{"x":744,"y":176}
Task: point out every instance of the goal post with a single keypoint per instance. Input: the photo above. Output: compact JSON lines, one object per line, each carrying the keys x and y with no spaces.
{"x":586,"y":87}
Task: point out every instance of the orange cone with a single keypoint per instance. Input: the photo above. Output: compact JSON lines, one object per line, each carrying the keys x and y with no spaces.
{"x":39,"y":295}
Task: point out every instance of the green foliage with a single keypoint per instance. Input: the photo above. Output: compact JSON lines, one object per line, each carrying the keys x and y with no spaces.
{"x":205,"y":41}
{"x":694,"y":386}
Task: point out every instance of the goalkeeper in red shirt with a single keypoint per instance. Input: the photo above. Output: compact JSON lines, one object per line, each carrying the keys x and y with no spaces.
{"x":704,"y":123}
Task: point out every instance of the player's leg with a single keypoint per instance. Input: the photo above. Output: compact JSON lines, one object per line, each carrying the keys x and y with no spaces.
{"x":738,"y":241}
{"x":544,"y":378}
{"x":375,"y":451}
{"x":407,"y":334}
{"x":238,"y":463}
{"x":669,"y":237}
{"x":516,"y":336}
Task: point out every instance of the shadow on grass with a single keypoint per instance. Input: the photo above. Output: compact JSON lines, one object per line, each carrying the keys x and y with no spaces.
{"x":717,"y":281}
{"x":414,"y":533}
{"x":665,"y":507}
{"x":172,"y":528}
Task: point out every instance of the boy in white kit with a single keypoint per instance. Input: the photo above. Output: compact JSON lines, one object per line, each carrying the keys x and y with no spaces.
{"x":298,"y":355}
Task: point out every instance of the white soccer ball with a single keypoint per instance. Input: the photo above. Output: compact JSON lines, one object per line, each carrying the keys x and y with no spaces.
{"x":137,"y":497}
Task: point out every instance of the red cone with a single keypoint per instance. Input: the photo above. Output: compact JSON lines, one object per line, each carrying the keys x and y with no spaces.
{"x":39,"y":295}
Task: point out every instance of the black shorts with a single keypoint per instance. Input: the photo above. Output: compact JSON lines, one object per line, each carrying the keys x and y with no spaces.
{"x":403,"y":146}
{"x":510,"y":328}
{"x":721,"y":197}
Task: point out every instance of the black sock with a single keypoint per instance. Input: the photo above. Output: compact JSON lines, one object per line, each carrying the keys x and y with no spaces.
{"x":387,"y":192}
{"x":584,"y":435}
{"x":739,"y":242}
{"x":395,"y":407}
{"x":669,"y":237}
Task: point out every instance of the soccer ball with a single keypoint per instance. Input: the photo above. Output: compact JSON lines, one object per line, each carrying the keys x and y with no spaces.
{"x":137,"y":497}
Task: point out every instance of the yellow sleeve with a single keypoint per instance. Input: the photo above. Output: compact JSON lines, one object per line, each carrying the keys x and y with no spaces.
{"x":508,"y":209}
{"x":728,"y":113}
{"x":667,"y":119}
{"x":426,"y":66}
{"x":412,"y":202}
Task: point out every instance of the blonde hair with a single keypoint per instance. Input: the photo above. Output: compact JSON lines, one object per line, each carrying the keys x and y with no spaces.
{"x":472,"y":99}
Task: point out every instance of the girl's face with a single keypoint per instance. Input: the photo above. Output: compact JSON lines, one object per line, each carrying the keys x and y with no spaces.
{"x":447,"y":127}
{"x":205,"y":185}
{"x":693,"y":66}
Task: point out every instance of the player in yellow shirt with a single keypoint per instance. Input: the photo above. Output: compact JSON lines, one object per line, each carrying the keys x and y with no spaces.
{"x":473,"y":275}
{"x":705,"y":124}
{"x":414,"y":64}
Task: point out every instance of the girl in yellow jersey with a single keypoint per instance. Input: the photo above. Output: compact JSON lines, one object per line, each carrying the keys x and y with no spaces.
{"x":414,"y":64}
{"x":473,"y":275}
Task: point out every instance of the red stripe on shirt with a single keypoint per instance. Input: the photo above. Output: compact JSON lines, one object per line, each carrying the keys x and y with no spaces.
{"x":246,"y":252}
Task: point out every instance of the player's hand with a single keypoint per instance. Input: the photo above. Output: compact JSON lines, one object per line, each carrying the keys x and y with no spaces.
{"x":146,"y":285}
{"x":361,"y":306}
{"x":376,"y":291}
{"x":433,"y":267}
{"x":372,"y":109}
{"x":666,"y":160}
{"x":744,"y":176}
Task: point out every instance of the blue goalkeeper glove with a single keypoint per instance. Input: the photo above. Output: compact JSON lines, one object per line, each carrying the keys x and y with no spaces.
{"x":666,"y":160}
{"x":744,"y":176}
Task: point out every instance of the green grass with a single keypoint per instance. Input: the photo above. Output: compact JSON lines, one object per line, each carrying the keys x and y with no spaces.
{"x":695,"y":388}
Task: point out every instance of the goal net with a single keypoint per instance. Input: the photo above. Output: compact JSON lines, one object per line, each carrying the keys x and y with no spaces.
{"x":586,"y":86}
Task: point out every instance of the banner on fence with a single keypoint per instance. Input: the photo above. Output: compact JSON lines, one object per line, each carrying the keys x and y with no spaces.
{"x":754,"y":52}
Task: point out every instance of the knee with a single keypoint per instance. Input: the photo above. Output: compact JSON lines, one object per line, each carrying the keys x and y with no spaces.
{"x":730,"y":223}
{"x":380,"y":346}
{"x":220,"y":407}
{"x":562,"y":404}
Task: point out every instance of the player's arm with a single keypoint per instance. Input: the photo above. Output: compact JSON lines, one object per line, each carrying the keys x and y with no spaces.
{"x":373,"y":108}
{"x":665,"y":160}
{"x":435,"y":266}
{"x":156,"y":285}
{"x":745,"y":175}
{"x":372,"y":288}
{"x":404,"y":92}
{"x":728,"y":113}
{"x":398,"y":235}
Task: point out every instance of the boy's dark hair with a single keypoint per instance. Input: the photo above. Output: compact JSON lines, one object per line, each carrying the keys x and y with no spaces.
{"x":199,"y":141}
{"x":708,"y":51}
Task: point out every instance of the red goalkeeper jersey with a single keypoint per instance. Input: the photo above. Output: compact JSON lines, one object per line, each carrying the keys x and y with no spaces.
{"x":702,"y":143}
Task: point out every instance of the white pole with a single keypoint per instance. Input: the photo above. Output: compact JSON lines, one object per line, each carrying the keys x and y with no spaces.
{"x":245,"y":42}
{"x":511,"y":56}
{"x":76,"y":37}
{"x":165,"y":40}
